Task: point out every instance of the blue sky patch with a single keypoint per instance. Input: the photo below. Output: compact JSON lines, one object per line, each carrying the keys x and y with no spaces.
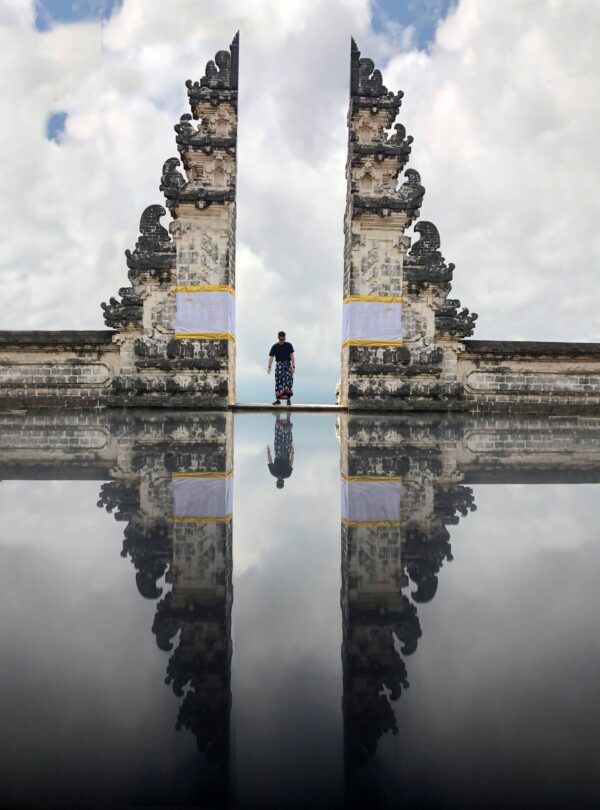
{"x":51,"y":12}
{"x":423,"y":15}
{"x":55,"y":126}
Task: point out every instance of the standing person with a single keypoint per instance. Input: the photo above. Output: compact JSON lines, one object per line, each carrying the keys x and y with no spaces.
{"x":283,"y":465}
{"x":283,"y":352}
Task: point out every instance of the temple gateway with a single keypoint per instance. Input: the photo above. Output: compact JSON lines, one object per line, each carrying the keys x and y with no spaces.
{"x":405,"y":346}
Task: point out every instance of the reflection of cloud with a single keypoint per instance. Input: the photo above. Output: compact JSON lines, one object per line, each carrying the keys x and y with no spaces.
{"x":265,"y":517}
{"x":506,"y":669}
{"x":84,"y":694}
{"x":287,"y":618}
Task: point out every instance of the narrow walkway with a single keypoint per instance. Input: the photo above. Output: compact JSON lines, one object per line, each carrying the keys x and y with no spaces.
{"x":261,"y":406}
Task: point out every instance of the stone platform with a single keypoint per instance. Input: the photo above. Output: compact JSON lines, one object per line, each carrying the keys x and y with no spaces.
{"x":261,"y":406}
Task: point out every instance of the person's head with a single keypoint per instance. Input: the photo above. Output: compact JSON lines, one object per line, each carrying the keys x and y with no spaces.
{"x":281,"y":337}
{"x":279,"y":483}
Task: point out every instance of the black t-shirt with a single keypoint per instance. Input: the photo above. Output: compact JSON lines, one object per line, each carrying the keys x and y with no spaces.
{"x":281,"y":351}
{"x":281,"y":468}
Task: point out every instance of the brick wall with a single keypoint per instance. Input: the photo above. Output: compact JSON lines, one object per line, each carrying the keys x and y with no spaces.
{"x":57,"y":368}
{"x":530,"y":376}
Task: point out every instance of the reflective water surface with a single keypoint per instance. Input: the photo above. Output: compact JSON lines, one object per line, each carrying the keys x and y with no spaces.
{"x":299,"y":610}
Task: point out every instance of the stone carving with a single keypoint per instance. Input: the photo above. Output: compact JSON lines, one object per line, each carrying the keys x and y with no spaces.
{"x":154,"y":254}
{"x":425,"y":267}
{"x":407,"y":199}
{"x":411,"y":191}
{"x":218,"y":73}
{"x":177,"y":190}
{"x":171,"y":181}
{"x":212,"y":133}
{"x":124,"y":313}
{"x":154,"y":251}
{"x":398,"y":137}
{"x":379,"y":146}
{"x":185,"y":128}
{"x":424,"y":263}
{"x":373,"y":109}
{"x":380,"y":208}
{"x":220,"y":80}
{"x":366,"y":84}
{"x":451,"y":319}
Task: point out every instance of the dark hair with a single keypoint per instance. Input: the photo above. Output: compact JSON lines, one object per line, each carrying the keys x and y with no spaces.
{"x":279,"y":483}
{"x":280,"y":334}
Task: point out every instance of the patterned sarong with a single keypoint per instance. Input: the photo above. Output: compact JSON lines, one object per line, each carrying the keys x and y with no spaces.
{"x":284,"y":380}
{"x":284,"y":439}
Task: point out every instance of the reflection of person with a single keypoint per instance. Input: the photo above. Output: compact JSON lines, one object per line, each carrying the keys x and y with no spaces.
{"x":283,"y":352}
{"x":284,"y":451}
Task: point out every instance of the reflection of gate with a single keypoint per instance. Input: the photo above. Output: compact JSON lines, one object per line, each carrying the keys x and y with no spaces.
{"x":404,"y":484}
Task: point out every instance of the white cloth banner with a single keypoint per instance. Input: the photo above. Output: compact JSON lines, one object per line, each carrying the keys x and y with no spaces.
{"x":371,"y":501}
{"x":202,"y":497}
{"x":372,"y":320}
{"x":205,"y":312}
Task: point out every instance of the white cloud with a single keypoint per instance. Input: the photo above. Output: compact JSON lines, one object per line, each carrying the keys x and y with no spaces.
{"x":505,"y":129}
{"x":502,"y":108}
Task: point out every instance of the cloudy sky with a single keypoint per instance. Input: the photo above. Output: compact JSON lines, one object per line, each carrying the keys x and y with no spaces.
{"x":501,"y":99}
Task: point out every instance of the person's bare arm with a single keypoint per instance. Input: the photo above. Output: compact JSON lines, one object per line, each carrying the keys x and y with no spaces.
{"x":293,"y":359}
{"x":270,"y":364}
{"x":269,"y":456}
{"x":292,"y":454}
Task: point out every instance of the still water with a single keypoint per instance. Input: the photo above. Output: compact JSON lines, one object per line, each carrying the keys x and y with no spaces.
{"x":299,"y":611}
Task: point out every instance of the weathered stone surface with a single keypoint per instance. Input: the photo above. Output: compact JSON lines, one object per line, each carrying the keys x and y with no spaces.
{"x":154,"y":251}
{"x":126,"y":312}
{"x":67,"y":369}
{"x":156,"y":367}
{"x":532,"y":377}
{"x":66,"y":338}
{"x":422,"y":373}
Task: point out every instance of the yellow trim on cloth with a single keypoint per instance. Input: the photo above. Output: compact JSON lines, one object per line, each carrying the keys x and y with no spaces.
{"x":379,"y":299}
{"x":357,"y":342}
{"x":369,"y":479}
{"x":205,"y":288}
{"x":358,"y":523}
{"x":204,"y":336}
{"x":226,"y":519}
{"x":227,"y":474}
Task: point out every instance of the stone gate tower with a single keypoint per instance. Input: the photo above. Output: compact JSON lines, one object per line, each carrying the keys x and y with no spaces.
{"x":400,"y":332}
{"x":176,"y":323}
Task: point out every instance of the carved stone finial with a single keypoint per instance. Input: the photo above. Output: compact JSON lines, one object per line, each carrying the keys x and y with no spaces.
{"x":429,"y":244}
{"x":398,"y":138}
{"x":171,"y":180}
{"x":411,"y":191}
{"x":126,"y":312}
{"x":220,"y":80}
{"x":424,"y":266}
{"x":366,"y":83}
{"x":451,"y":319}
{"x":185,"y":128}
{"x":154,"y":250}
{"x":217,"y":72}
